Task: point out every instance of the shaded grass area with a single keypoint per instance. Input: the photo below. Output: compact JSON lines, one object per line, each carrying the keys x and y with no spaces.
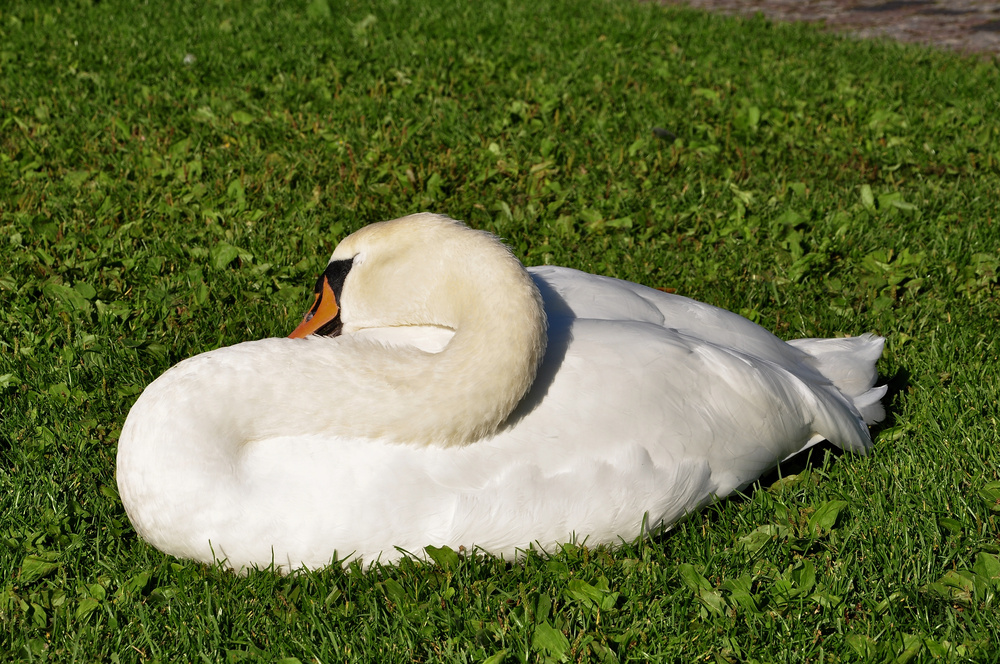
{"x":173,"y":177}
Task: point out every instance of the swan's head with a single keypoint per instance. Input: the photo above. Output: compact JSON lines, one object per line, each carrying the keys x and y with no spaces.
{"x":429,"y":271}
{"x":424,"y":269}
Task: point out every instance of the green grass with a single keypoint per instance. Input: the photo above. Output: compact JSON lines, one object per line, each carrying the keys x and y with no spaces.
{"x":173,"y":177}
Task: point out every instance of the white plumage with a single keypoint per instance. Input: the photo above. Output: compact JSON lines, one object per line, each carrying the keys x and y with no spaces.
{"x":470,"y":402}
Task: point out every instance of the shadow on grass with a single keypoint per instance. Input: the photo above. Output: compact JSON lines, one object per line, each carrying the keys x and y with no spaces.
{"x":898,"y":383}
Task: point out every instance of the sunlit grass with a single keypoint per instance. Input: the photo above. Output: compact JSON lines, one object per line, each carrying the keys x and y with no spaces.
{"x":173,"y":177}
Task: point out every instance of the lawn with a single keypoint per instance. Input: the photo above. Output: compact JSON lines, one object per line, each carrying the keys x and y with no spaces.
{"x":173,"y":176}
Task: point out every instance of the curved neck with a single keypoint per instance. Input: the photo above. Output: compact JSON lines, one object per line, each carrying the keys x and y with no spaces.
{"x":490,"y":363}
{"x":446,"y":276}
{"x":465,"y":392}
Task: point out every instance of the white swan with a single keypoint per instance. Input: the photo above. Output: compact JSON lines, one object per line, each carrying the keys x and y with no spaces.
{"x":425,"y":422}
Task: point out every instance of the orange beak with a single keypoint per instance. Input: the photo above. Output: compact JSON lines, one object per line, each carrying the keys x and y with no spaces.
{"x":323,"y":311}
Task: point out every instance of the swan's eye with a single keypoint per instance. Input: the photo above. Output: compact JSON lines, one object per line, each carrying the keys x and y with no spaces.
{"x":335,"y":274}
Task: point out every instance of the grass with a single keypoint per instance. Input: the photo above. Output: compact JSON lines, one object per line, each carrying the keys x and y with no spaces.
{"x":174,"y":175}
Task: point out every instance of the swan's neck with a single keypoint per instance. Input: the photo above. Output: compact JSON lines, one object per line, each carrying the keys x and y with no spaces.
{"x":490,"y":363}
{"x":466,"y":391}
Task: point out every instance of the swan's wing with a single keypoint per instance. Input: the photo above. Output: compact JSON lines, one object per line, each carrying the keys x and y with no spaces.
{"x":569,"y":292}
{"x":847,"y":364}
{"x":683,"y":396}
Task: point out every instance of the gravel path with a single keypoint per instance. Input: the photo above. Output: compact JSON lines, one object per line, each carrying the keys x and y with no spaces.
{"x":967,"y":26}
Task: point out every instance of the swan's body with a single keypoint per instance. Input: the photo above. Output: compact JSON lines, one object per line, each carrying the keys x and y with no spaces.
{"x":424,"y":422}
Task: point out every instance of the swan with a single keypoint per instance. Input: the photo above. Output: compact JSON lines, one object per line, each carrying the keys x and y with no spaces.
{"x":439,"y":393}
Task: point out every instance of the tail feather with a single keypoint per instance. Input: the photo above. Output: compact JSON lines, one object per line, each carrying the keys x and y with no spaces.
{"x":849,"y":363}
{"x":870,"y":405}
